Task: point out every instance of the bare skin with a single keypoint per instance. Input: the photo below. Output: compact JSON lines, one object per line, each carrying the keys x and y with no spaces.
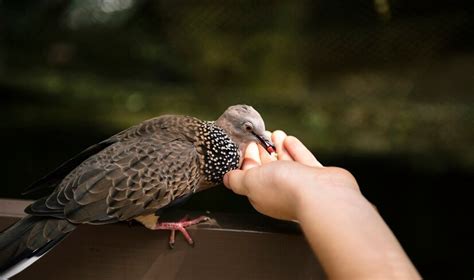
{"x":347,"y":234}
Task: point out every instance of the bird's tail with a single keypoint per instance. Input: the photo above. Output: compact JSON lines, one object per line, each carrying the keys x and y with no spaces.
{"x":27,"y":240}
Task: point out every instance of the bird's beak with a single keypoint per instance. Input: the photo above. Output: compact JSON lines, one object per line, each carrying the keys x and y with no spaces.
{"x":266,"y":143}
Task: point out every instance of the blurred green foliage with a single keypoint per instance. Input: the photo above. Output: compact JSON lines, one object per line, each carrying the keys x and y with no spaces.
{"x":383,"y":88}
{"x":347,"y":77}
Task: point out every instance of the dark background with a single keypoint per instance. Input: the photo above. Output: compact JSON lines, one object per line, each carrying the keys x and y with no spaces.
{"x":383,"y":88}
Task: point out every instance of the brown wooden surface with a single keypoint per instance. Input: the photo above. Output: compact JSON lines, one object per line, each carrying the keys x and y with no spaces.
{"x":120,"y":251}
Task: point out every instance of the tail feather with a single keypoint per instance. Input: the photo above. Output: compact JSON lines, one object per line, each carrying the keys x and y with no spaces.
{"x":27,"y":240}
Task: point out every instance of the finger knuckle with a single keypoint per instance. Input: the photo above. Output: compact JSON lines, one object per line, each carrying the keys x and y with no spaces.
{"x":340,"y":175}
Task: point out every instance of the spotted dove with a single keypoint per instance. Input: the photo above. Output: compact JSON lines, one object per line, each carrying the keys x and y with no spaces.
{"x":131,"y":176}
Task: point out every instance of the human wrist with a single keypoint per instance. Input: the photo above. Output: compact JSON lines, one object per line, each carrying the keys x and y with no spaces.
{"x":321,"y":188}
{"x":304,"y":191}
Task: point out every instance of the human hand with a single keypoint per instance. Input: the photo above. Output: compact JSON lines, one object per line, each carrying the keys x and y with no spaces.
{"x":275,"y":186}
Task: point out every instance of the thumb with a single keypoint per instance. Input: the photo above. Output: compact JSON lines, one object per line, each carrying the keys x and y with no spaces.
{"x":234,"y":180}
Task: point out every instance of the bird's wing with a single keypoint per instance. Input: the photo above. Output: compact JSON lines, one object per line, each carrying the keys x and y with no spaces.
{"x":52,"y":179}
{"x":55,"y":177}
{"x":135,"y":176}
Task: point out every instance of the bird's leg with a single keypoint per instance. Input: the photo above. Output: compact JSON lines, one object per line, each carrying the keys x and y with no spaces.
{"x":151,"y":221}
{"x":181,"y":226}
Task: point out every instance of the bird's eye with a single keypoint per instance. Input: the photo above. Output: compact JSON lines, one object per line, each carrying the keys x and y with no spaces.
{"x":248,"y":127}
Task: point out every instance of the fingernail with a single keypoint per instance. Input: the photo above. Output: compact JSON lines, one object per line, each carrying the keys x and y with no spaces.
{"x":249,"y":163}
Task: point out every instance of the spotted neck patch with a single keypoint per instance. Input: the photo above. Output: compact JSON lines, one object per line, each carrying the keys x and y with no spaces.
{"x":221,"y":154}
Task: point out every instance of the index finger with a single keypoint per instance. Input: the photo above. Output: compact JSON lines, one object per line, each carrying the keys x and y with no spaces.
{"x":299,"y":152}
{"x":251,"y":157}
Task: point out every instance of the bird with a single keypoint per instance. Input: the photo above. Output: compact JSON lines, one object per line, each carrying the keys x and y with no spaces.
{"x":132,"y":176}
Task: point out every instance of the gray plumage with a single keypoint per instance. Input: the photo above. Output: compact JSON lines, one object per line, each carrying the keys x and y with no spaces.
{"x":133,"y":174}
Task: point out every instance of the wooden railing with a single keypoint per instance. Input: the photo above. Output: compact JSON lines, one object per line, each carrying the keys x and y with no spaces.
{"x":230,"y":246}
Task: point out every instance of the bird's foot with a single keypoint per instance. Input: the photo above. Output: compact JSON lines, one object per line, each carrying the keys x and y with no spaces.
{"x":181,"y":226}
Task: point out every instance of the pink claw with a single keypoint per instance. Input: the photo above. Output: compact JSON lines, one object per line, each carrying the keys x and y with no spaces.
{"x":181,"y":226}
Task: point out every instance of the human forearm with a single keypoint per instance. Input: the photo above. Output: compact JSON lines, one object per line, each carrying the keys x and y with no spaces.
{"x":349,"y":237}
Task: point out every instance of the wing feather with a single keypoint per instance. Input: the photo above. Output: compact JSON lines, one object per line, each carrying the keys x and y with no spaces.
{"x":135,"y":176}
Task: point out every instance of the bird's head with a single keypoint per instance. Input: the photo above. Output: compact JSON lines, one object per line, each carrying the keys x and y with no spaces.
{"x":244,"y":124}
